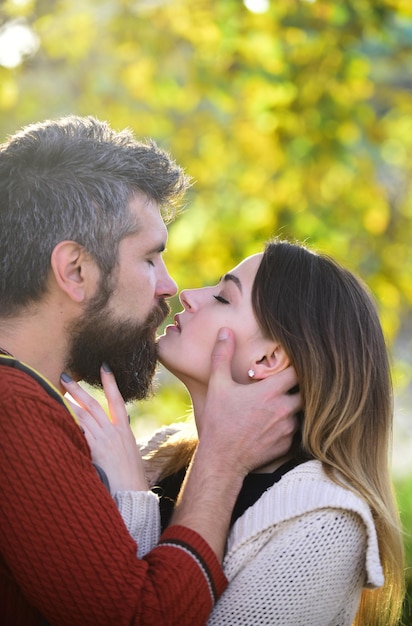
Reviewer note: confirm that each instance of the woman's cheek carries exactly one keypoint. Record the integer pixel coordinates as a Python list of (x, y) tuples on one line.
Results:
[(240, 368)]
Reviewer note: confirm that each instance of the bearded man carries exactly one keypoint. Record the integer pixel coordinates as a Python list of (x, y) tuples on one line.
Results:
[(83, 282)]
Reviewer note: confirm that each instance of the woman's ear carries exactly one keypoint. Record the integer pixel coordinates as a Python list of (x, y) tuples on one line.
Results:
[(274, 361), (70, 266)]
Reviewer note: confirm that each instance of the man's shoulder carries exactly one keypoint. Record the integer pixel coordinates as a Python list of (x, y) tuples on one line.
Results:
[(30, 401), (19, 379)]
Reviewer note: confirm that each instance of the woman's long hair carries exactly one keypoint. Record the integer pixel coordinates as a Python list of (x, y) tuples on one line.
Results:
[(327, 323)]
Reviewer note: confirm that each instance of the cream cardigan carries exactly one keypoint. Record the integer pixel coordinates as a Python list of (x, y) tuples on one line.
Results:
[(299, 556)]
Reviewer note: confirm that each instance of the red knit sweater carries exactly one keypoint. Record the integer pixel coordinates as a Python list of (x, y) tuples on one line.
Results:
[(66, 556)]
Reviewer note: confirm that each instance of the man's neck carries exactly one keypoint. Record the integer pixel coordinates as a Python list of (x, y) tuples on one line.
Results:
[(5, 352), (38, 341)]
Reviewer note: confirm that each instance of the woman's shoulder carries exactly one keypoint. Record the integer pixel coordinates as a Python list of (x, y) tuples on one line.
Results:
[(304, 489), (308, 470), (301, 492), (309, 487)]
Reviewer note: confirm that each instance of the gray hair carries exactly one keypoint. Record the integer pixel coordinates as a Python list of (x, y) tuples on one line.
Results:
[(72, 179)]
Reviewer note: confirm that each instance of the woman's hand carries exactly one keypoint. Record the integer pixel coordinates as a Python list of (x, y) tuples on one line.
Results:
[(111, 441)]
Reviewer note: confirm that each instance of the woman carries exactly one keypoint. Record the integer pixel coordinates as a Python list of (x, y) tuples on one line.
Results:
[(315, 537)]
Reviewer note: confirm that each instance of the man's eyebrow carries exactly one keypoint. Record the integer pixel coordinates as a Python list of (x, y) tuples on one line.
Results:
[(234, 279), (157, 249)]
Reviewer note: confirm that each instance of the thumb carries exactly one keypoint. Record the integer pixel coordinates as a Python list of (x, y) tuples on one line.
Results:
[(222, 354)]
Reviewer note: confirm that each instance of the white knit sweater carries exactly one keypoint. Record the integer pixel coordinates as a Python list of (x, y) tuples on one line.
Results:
[(141, 515), (299, 556)]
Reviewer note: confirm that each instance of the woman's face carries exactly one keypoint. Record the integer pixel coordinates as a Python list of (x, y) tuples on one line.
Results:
[(186, 347)]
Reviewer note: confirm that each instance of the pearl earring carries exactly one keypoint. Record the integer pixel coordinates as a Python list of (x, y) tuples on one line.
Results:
[(251, 373)]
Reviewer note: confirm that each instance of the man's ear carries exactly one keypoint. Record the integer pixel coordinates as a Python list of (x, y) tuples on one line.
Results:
[(274, 361), (71, 268)]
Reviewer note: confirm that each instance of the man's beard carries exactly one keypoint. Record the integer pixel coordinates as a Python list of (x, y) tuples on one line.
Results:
[(128, 347)]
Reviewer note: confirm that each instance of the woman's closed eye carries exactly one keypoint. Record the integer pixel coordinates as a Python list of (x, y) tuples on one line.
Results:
[(221, 299)]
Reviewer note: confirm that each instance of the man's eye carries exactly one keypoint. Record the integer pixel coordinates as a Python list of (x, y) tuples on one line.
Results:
[(151, 262), (221, 299)]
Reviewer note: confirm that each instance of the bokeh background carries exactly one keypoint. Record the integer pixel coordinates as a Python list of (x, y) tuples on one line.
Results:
[(294, 118)]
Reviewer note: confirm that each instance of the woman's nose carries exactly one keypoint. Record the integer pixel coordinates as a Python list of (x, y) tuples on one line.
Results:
[(185, 298), (190, 299)]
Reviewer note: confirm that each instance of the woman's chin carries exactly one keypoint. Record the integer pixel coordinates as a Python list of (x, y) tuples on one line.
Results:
[(161, 348), (163, 359)]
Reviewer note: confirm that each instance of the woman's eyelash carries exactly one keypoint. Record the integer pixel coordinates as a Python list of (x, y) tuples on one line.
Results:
[(221, 299)]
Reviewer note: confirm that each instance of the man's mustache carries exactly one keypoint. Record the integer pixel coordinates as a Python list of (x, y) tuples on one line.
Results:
[(158, 314)]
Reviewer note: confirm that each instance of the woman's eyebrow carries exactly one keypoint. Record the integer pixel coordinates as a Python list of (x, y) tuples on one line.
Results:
[(234, 279)]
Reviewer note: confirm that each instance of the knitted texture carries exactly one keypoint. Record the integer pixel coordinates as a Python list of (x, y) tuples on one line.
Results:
[(140, 513), (299, 556), (66, 556)]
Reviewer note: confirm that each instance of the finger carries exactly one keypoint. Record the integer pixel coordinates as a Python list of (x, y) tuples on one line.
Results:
[(117, 407), (76, 408), (222, 355), (281, 383), (87, 423), (286, 404), (85, 400), (291, 425), (295, 403)]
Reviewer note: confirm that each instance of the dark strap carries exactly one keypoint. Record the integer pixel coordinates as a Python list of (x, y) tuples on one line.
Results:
[(10, 361), (102, 475)]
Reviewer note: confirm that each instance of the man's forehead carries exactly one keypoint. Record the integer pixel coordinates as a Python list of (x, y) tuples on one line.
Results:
[(146, 218)]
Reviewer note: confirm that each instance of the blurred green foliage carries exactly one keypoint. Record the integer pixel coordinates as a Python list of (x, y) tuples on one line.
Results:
[(294, 121), (404, 496)]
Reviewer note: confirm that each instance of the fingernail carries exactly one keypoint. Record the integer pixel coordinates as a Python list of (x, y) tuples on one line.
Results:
[(106, 368), (66, 378), (223, 334)]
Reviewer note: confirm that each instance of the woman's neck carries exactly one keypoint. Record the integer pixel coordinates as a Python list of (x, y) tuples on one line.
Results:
[(198, 395)]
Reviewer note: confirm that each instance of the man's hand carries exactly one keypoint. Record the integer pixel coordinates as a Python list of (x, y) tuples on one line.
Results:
[(250, 424), (243, 428)]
